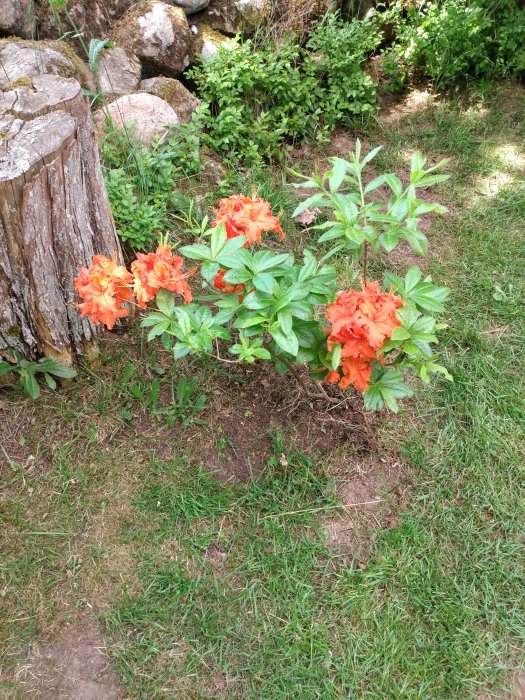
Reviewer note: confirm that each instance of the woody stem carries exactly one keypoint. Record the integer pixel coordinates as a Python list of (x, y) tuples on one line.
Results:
[(365, 260), (302, 384)]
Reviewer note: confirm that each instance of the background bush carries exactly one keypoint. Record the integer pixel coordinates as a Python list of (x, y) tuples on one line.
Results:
[(255, 98), (453, 41)]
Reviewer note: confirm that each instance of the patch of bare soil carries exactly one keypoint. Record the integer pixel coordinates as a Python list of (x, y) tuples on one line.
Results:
[(371, 490), (246, 418), (417, 100), (72, 666)]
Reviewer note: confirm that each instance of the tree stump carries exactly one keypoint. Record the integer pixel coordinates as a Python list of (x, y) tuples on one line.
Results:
[(54, 216)]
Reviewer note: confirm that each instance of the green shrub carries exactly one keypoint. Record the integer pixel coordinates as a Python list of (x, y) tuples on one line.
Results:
[(453, 41), (140, 181), (256, 98)]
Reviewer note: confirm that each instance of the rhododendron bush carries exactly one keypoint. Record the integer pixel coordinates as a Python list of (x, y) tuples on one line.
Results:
[(257, 302)]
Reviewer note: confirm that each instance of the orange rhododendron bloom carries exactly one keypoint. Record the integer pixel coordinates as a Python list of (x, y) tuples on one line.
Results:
[(226, 287), (361, 323), (246, 216), (104, 288), (159, 270)]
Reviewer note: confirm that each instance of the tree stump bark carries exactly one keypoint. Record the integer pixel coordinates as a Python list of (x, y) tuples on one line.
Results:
[(54, 216)]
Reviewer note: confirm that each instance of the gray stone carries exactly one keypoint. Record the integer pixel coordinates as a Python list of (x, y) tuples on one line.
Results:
[(234, 16), (16, 17), (119, 72), (158, 34), (174, 93), (146, 115), (206, 40), (190, 7), (21, 60)]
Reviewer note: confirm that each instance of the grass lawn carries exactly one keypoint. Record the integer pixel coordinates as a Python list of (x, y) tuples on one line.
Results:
[(205, 587)]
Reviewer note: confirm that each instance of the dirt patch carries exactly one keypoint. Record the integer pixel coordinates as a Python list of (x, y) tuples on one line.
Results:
[(417, 100), (72, 666), (371, 493), (246, 420)]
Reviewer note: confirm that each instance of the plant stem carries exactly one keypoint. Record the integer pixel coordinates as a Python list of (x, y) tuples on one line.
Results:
[(302, 383), (365, 260)]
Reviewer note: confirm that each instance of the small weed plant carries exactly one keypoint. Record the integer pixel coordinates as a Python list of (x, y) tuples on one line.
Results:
[(256, 98), (26, 374), (140, 180), (261, 304)]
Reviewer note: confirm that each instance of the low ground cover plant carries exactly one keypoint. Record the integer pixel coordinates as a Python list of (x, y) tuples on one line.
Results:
[(271, 307)]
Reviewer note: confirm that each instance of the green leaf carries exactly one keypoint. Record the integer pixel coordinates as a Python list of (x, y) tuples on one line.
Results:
[(218, 240), (412, 277), (372, 154), (233, 244), (209, 270), (246, 321), (287, 342), (400, 333), (386, 387), (417, 163), (262, 354), (375, 183), (431, 180), (394, 183), (417, 240), (237, 259), (338, 174), (427, 207), (428, 296), (389, 240), (336, 356), (336, 231), (30, 384), (264, 282), (237, 276), (286, 321), (165, 302), (50, 381), (197, 251), (265, 260), (311, 201)]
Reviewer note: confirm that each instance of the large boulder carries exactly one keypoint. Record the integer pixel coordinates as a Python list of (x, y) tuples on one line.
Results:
[(158, 34), (234, 16), (174, 93), (280, 16), (145, 115), (21, 60), (119, 73), (94, 18), (16, 17), (190, 7), (206, 41)]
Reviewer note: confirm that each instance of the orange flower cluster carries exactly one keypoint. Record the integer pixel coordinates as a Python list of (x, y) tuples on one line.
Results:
[(247, 216), (227, 288), (105, 286), (159, 270), (361, 322)]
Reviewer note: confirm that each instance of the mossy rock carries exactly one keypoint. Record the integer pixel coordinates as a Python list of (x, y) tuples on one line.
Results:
[(174, 93), (22, 60)]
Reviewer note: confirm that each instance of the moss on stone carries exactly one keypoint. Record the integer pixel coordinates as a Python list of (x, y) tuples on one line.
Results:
[(23, 81)]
